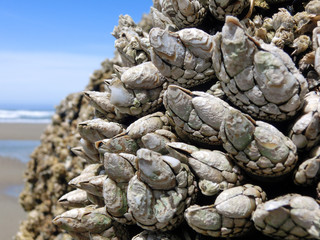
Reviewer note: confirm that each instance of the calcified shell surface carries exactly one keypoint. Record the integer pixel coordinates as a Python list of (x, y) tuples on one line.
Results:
[(205, 126)]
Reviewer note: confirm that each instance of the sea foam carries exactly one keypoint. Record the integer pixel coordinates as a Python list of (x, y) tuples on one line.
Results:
[(25, 116)]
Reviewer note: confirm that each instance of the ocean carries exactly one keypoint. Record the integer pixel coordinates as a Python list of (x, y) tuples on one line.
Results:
[(18, 149), (21, 149), (25, 116)]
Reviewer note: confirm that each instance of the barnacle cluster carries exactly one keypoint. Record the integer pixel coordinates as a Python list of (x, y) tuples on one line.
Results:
[(208, 128), (52, 164)]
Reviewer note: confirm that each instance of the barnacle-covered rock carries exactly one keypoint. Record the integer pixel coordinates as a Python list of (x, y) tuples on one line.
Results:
[(75, 199), (230, 215), (308, 171), (275, 1), (312, 59), (214, 169), (103, 107), (301, 44), (305, 132), (168, 186), (160, 191), (161, 21), (183, 13), (85, 223), (132, 181), (316, 48), (286, 30), (313, 7), (283, 23), (97, 129), (216, 90), (151, 131), (89, 150), (89, 171), (221, 8), (131, 42), (137, 90), (196, 116), (52, 165), (148, 235), (183, 57), (157, 140), (262, 28), (148, 124), (291, 216), (258, 147), (120, 168), (115, 200), (134, 91), (92, 131), (86, 151), (306, 21), (265, 83), (91, 180), (118, 144)]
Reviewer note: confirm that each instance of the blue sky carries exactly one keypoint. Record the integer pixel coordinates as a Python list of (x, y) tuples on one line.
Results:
[(48, 49)]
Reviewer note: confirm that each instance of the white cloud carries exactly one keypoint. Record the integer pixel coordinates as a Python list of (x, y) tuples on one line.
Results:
[(43, 77)]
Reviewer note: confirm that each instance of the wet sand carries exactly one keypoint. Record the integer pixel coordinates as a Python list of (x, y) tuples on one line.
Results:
[(11, 177), (21, 131)]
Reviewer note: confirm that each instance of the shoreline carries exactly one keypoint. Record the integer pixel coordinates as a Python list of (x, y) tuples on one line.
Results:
[(11, 176), (21, 131)]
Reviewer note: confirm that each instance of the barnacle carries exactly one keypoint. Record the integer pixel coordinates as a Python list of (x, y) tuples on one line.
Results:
[(169, 132)]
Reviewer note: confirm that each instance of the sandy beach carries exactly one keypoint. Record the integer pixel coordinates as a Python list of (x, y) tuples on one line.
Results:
[(21, 131), (11, 177)]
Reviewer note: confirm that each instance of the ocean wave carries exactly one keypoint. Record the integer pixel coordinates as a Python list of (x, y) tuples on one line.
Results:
[(25, 116)]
